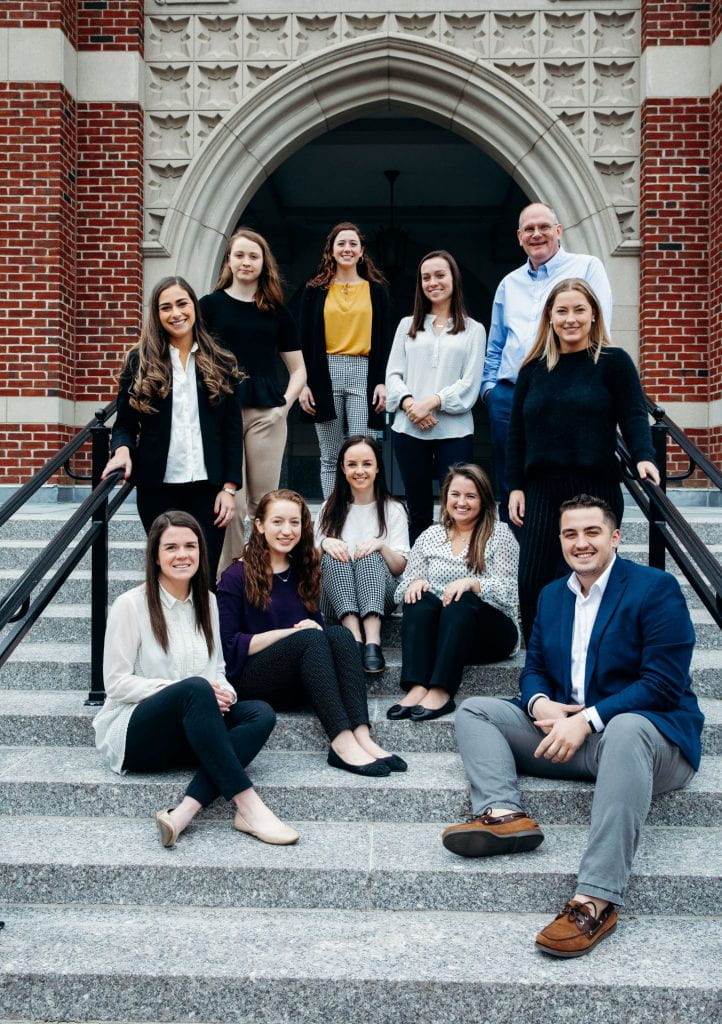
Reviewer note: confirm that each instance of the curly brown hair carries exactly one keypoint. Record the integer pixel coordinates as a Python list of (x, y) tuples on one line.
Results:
[(269, 293), (151, 381), (304, 557), (327, 267)]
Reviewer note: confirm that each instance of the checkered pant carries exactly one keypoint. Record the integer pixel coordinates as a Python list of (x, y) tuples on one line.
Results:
[(360, 587), (348, 381)]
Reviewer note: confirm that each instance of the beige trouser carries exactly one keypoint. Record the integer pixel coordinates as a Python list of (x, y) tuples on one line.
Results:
[(264, 440)]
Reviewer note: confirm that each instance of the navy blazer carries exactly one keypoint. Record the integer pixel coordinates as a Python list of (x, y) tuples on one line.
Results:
[(638, 658), (313, 342), (147, 435)]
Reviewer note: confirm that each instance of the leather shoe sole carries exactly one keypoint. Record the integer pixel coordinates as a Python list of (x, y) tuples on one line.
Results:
[(421, 714), (476, 840)]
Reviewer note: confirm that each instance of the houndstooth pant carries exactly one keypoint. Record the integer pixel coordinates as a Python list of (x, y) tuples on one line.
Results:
[(362, 587), (348, 381)]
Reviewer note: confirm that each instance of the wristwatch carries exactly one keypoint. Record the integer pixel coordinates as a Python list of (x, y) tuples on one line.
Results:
[(588, 718), (230, 490)]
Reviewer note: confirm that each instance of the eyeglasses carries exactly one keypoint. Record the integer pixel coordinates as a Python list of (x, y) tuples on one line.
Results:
[(543, 229)]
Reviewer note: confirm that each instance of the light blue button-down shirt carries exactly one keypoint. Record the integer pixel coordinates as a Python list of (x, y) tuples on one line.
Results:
[(518, 305)]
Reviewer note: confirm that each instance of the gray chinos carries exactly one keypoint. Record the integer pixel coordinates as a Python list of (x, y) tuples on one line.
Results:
[(630, 760)]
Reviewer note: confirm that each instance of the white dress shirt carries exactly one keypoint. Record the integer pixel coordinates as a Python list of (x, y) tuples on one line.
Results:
[(135, 666), (185, 451), (586, 610), (518, 306)]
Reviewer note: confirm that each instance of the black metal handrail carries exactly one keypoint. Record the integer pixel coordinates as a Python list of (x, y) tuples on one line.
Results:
[(668, 529), (18, 605)]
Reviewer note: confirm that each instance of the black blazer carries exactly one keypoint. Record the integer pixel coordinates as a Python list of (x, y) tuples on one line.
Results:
[(313, 343), (147, 435)]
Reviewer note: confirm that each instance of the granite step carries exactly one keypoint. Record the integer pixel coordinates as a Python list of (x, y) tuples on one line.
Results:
[(280, 966), (299, 785), (128, 555), (348, 865), (60, 718), (70, 623), (66, 666)]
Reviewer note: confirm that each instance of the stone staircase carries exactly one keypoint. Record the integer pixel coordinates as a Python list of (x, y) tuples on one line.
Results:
[(368, 918)]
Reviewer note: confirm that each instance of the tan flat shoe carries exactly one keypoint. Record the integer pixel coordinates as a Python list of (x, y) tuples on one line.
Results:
[(167, 832), (282, 835)]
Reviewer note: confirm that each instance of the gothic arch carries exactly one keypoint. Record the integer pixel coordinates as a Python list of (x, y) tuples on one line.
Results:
[(419, 78)]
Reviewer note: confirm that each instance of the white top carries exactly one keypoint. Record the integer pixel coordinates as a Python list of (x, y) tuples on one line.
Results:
[(185, 450), (362, 524), (135, 666), (447, 365), (586, 610), (519, 303), (431, 559)]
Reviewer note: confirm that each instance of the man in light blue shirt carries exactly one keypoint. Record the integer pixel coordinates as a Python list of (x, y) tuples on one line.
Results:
[(518, 305)]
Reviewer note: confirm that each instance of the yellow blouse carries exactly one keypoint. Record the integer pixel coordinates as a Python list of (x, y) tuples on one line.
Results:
[(347, 319)]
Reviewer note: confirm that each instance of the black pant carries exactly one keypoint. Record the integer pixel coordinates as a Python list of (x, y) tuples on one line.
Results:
[(421, 462), (182, 726), (540, 553), (198, 499), (437, 642), (320, 666)]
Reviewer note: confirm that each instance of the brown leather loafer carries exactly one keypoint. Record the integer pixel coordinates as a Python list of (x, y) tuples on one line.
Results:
[(487, 836), (576, 930)]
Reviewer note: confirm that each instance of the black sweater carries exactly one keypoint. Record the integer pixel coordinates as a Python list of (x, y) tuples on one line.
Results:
[(566, 419)]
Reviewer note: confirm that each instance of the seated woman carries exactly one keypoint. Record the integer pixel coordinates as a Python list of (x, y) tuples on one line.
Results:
[(273, 637), (364, 536), (169, 705), (459, 596)]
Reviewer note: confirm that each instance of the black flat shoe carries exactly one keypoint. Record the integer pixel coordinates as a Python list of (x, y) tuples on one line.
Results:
[(373, 658), (398, 711), (395, 763), (421, 714), (375, 769)]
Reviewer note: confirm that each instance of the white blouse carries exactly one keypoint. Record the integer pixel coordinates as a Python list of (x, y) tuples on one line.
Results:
[(431, 559), (447, 365), (135, 666), (362, 524), (186, 461)]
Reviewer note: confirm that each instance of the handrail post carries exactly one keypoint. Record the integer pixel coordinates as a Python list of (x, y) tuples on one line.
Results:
[(657, 549), (100, 439)]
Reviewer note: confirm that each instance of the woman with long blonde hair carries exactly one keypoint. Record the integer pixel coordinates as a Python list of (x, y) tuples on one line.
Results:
[(246, 314), (178, 428), (573, 390)]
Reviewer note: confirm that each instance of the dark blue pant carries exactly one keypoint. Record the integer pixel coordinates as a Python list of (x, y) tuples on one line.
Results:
[(498, 402), (421, 462), (182, 725)]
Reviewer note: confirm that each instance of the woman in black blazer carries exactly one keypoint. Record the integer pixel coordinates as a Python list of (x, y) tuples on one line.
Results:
[(344, 323), (179, 429)]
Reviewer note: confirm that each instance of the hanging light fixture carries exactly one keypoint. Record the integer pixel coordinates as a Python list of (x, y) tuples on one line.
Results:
[(391, 241)]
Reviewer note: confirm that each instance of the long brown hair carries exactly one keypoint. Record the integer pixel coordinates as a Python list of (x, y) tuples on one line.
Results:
[(327, 267), (152, 379), (335, 510), (546, 343), (303, 557), (200, 582), (422, 305), (475, 557), (269, 292)]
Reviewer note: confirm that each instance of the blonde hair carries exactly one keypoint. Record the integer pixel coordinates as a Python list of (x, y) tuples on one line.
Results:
[(546, 344)]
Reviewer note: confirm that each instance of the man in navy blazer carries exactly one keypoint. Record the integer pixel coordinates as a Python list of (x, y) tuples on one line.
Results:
[(605, 694)]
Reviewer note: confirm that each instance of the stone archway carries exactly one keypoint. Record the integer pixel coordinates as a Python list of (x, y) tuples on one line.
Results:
[(423, 79)]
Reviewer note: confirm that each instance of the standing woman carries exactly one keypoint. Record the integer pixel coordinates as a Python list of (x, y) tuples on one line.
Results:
[(275, 644), (572, 392), (459, 597), (364, 535), (169, 705), (345, 334), (246, 315), (432, 382), (178, 427)]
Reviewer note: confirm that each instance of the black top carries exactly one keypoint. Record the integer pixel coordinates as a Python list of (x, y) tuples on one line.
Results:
[(147, 435), (255, 339), (566, 419), (313, 340)]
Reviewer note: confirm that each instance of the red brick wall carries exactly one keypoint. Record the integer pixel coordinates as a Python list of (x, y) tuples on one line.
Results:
[(24, 449), (676, 22), (110, 25), (715, 256), (41, 14)]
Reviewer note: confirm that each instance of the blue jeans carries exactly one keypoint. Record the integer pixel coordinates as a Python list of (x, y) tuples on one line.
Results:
[(421, 462)]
